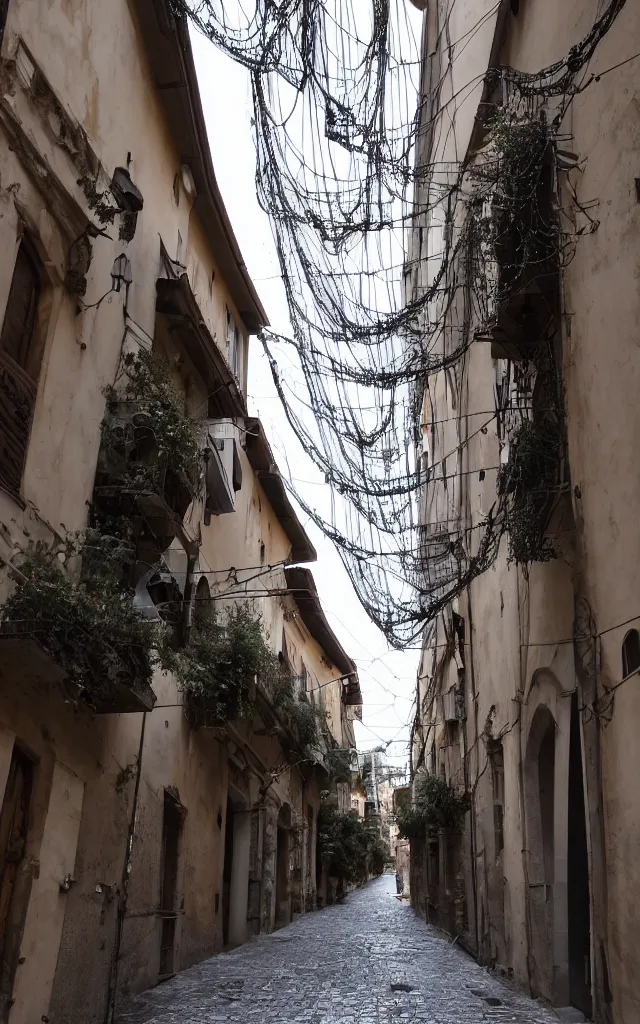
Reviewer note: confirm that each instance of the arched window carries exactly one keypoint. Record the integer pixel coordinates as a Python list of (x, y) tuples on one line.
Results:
[(630, 652)]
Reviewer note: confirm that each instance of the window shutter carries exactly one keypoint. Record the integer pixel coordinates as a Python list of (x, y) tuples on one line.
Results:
[(17, 399), (19, 368)]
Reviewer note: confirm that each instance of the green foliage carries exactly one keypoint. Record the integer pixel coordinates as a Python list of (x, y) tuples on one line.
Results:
[(217, 668), (436, 805), (338, 762), (146, 433), (352, 846), (303, 717), (87, 624), (523, 228), (528, 479)]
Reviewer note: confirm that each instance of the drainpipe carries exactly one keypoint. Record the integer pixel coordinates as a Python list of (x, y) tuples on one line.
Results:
[(123, 895)]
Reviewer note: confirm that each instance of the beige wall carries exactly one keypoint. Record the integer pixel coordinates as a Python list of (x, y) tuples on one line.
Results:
[(84, 814), (519, 630)]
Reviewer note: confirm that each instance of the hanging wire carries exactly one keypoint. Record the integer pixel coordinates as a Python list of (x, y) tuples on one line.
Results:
[(393, 264)]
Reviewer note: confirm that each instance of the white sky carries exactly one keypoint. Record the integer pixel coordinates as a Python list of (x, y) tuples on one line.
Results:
[(387, 677)]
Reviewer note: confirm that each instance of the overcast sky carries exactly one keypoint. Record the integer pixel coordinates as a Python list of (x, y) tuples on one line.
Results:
[(387, 677)]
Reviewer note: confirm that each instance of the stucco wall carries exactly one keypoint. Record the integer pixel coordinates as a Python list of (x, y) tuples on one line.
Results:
[(517, 627)]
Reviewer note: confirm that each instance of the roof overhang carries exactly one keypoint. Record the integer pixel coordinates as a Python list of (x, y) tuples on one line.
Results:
[(268, 476), (166, 39), (177, 303), (305, 595)]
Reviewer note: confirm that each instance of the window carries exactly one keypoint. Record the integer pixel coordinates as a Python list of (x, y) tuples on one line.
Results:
[(303, 679), (20, 361), (630, 652), (234, 347), (496, 757)]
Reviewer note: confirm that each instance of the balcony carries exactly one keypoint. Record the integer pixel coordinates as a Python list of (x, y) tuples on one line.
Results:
[(29, 650), (137, 477), (71, 625), (519, 325), (523, 244)]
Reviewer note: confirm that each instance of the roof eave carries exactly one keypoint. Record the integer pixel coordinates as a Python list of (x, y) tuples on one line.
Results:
[(301, 582), (166, 38)]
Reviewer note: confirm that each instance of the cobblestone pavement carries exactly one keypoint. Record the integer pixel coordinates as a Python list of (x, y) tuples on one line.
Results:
[(370, 960)]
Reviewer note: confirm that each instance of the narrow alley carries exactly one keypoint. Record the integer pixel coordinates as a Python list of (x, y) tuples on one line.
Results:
[(370, 960)]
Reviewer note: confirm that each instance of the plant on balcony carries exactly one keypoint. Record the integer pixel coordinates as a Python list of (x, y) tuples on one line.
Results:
[(527, 481), (84, 619), (436, 805), (217, 669), (148, 442)]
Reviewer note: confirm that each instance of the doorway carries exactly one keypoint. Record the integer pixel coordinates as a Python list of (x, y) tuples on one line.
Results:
[(540, 797), (235, 871), (14, 825), (226, 872), (283, 872), (171, 829), (578, 902), (546, 797)]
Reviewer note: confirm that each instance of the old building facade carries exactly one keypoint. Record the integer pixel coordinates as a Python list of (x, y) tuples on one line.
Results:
[(139, 831), (528, 685)]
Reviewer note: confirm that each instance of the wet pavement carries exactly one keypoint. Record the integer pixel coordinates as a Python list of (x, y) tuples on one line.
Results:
[(370, 960)]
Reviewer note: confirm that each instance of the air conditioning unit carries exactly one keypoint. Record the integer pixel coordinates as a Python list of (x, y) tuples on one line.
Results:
[(224, 471)]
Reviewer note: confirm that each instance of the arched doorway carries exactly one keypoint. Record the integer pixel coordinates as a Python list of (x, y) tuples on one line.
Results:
[(540, 795), (578, 901), (283, 868)]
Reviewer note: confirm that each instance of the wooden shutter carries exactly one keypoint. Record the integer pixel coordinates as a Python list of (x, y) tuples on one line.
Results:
[(19, 368)]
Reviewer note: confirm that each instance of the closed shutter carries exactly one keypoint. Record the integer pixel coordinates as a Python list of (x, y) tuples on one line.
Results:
[(17, 399), (19, 368)]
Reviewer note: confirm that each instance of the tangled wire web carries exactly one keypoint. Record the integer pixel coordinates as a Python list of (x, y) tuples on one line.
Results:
[(344, 174)]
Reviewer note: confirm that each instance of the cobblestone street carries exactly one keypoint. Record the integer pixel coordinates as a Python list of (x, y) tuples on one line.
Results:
[(370, 960)]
